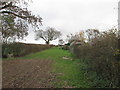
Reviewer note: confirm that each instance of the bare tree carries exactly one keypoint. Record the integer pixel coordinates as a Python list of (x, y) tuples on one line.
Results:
[(48, 35)]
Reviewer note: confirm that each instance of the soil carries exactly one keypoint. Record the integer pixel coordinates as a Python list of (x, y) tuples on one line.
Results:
[(27, 74)]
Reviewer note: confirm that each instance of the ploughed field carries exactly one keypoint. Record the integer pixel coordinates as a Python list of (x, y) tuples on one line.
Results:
[(31, 73)]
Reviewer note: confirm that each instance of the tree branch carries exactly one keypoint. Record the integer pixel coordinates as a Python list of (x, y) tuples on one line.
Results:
[(8, 5), (8, 12), (43, 38)]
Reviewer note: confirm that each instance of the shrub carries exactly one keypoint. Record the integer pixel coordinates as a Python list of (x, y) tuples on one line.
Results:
[(100, 54), (21, 49)]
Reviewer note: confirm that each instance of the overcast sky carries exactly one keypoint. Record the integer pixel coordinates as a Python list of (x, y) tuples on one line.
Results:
[(71, 16)]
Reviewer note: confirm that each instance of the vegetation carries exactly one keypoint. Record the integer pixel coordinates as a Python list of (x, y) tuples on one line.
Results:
[(15, 20), (80, 36), (70, 71), (48, 35), (22, 49), (61, 42), (11, 30), (87, 72), (99, 52), (13, 8)]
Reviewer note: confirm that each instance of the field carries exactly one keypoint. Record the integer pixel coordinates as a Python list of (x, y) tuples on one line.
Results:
[(26, 73), (50, 68)]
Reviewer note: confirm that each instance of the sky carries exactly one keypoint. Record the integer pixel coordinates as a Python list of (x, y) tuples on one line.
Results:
[(72, 16)]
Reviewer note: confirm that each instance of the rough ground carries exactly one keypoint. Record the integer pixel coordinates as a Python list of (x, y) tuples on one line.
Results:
[(27, 74)]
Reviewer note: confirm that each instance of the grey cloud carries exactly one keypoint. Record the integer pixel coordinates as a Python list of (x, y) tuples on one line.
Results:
[(71, 16)]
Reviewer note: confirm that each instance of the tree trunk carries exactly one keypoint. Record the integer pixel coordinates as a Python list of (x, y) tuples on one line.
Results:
[(47, 42)]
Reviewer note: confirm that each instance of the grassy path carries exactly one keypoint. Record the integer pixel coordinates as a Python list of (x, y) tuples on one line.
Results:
[(68, 70)]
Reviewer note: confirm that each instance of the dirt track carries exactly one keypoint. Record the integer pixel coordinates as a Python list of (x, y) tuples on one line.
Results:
[(27, 74)]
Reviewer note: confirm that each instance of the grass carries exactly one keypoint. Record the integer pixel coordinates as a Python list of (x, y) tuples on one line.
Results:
[(70, 72)]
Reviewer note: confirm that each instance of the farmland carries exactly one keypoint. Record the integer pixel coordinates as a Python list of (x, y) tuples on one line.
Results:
[(56, 44), (50, 68)]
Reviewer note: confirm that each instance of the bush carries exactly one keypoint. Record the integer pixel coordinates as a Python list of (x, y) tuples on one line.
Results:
[(100, 54), (21, 49)]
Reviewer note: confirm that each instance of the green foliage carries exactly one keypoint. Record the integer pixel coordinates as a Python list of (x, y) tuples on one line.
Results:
[(99, 54), (15, 20), (21, 49), (69, 72), (13, 48), (12, 29), (15, 10)]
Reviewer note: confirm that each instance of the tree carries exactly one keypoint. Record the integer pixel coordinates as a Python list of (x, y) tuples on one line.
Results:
[(12, 30), (15, 19), (48, 35), (14, 9), (92, 33), (76, 37), (61, 42)]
